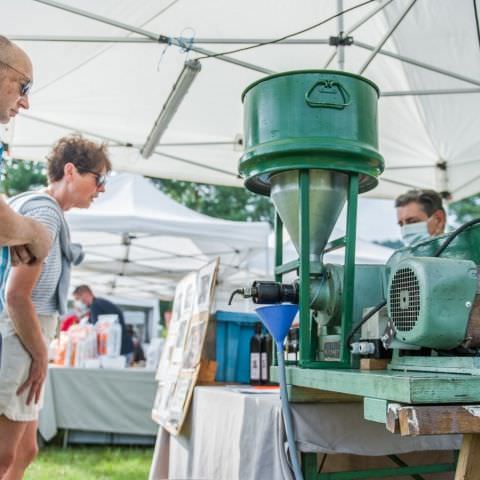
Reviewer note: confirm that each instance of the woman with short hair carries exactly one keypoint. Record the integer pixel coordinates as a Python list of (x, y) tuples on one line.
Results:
[(36, 294)]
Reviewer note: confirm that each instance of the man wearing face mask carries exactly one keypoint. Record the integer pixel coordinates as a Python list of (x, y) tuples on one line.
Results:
[(421, 215), (85, 300)]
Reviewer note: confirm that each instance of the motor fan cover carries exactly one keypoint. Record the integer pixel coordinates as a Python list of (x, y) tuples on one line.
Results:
[(430, 299)]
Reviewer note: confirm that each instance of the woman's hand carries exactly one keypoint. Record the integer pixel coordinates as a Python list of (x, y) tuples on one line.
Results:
[(36, 377)]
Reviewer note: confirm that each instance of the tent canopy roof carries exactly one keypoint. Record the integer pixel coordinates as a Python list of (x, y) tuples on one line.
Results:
[(116, 90)]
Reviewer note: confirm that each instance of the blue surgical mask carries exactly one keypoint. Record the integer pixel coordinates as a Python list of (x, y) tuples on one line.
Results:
[(414, 233), (80, 307)]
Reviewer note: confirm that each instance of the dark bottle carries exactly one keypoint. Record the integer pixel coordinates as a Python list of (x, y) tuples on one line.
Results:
[(287, 345), (255, 355), (266, 358), (295, 344)]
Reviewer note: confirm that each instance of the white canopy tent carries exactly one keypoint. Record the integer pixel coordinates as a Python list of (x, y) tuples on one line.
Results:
[(109, 75), (139, 242)]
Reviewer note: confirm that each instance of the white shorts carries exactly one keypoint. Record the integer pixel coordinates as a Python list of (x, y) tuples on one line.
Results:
[(14, 370)]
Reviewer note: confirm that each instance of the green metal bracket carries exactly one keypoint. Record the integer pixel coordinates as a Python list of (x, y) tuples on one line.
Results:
[(335, 244), (349, 271), (375, 409), (306, 353), (278, 246), (287, 267), (309, 465)]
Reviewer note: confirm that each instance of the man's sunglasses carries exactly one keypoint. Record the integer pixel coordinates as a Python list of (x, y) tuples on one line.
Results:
[(100, 179), (24, 86)]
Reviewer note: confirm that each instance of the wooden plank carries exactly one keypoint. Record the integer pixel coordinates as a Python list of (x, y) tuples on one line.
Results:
[(393, 424), (374, 363), (375, 409), (439, 419), (468, 466), (401, 387), (311, 395)]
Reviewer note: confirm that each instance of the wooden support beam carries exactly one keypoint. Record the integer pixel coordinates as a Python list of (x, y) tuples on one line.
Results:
[(393, 424), (312, 395), (468, 466), (374, 363), (438, 419)]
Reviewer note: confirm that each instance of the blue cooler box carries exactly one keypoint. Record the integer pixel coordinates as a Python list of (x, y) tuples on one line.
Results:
[(234, 331)]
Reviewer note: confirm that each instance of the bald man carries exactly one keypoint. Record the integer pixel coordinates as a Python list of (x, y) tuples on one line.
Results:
[(29, 239)]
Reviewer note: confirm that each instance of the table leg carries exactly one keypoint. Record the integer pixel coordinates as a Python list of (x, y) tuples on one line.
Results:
[(65, 438), (468, 466)]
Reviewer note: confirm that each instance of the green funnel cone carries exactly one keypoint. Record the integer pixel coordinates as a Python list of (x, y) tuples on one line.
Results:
[(278, 319)]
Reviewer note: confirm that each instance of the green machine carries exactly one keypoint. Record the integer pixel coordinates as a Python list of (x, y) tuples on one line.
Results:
[(311, 144)]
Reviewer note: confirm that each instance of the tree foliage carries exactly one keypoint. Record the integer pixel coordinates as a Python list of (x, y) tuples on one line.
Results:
[(19, 176), (466, 209), (230, 203)]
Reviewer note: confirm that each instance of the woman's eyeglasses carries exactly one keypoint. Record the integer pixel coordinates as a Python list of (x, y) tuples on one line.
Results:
[(100, 179), (26, 86)]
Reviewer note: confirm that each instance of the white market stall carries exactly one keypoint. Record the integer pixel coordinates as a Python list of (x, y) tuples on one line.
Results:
[(139, 242)]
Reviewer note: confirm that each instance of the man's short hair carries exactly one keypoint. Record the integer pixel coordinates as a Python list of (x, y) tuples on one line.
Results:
[(82, 289), (84, 154), (5, 52), (429, 200)]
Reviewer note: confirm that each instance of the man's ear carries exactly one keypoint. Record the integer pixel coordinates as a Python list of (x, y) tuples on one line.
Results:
[(441, 218)]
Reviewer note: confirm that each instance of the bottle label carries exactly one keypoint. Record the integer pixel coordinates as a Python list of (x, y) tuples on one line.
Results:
[(264, 366), (255, 366)]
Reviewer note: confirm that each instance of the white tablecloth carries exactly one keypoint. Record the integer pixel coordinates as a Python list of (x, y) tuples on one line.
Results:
[(98, 400), (232, 435)]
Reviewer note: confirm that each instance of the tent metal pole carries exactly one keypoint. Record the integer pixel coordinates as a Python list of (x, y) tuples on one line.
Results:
[(153, 36), (184, 40), (411, 167), (417, 63), (191, 162), (386, 37), (446, 91), (368, 17), (330, 59), (402, 184), (138, 145), (463, 185), (127, 144), (340, 48), (467, 162), (357, 25), (74, 129)]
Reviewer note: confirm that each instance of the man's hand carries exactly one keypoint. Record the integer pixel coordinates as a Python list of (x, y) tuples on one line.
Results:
[(36, 377), (40, 244), (21, 254), (35, 251)]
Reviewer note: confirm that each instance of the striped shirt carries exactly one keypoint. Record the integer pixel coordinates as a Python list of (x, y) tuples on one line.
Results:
[(44, 295)]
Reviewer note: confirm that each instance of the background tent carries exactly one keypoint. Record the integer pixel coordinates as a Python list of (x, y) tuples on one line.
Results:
[(139, 242), (112, 79)]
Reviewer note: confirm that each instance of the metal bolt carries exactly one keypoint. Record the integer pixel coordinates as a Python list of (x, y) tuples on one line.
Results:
[(468, 304)]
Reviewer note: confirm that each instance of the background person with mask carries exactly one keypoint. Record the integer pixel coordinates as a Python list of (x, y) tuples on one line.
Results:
[(84, 299), (420, 214)]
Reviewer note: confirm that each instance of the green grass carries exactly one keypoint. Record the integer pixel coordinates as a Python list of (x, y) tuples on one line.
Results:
[(91, 463)]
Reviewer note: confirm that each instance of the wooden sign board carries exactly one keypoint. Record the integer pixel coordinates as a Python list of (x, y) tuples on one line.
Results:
[(182, 354)]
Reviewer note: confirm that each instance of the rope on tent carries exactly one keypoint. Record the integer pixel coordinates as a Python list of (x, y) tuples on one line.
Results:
[(290, 35)]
